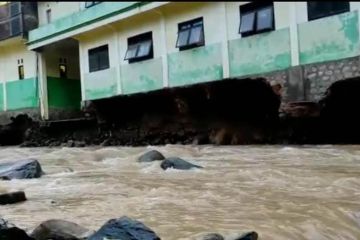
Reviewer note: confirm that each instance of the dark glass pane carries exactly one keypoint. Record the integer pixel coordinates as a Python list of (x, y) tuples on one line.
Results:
[(185, 26), (198, 23), (144, 49), (63, 71), (131, 51), (323, 9), (14, 8), (93, 63), (48, 15), (103, 59), (183, 37), (15, 26), (196, 35), (265, 19), (247, 22), (98, 58), (21, 72)]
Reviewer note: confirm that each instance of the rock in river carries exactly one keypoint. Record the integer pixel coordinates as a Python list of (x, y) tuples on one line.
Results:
[(212, 236), (177, 163), (13, 197), (124, 228), (248, 236), (57, 229), (29, 168), (11, 232), (150, 156)]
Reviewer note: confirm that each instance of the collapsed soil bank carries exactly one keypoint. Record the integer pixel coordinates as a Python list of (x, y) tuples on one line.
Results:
[(234, 112)]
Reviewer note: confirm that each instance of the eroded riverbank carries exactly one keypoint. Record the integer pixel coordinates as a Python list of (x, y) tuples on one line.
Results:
[(308, 192)]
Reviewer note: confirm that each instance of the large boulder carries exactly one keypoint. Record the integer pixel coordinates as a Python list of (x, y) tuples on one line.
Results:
[(177, 163), (212, 236), (11, 232), (248, 236), (124, 228), (14, 132), (23, 169), (13, 197), (56, 229), (151, 156)]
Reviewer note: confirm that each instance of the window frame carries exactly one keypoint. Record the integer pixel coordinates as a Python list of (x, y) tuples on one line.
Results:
[(256, 7), (21, 74), (312, 16), (189, 26), (65, 72), (48, 15), (96, 52), (137, 42)]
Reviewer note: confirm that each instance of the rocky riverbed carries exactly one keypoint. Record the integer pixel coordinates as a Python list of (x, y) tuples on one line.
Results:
[(281, 192)]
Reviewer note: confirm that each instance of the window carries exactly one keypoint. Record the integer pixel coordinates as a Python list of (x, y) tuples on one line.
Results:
[(190, 34), (256, 17), (62, 68), (48, 15), (140, 48), (98, 58), (21, 71), (90, 4), (324, 9)]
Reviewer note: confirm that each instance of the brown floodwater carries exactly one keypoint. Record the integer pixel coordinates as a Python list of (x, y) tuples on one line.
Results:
[(282, 192)]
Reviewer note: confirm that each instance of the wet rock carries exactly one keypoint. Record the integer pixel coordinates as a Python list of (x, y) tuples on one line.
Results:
[(248, 236), (212, 236), (57, 229), (9, 231), (13, 197), (79, 144), (23, 169), (70, 143), (106, 142), (177, 163), (150, 156), (124, 228), (29, 144), (201, 139), (14, 132)]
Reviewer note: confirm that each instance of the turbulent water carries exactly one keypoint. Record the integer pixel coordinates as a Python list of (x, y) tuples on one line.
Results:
[(308, 192)]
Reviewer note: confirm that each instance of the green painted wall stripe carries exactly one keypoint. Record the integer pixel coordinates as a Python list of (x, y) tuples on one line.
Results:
[(142, 76), (80, 19), (100, 84), (260, 53), (196, 65), (22, 94), (329, 38), (64, 93)]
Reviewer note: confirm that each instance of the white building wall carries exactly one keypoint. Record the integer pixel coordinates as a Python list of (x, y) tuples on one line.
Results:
[(72, 62), (301, 12), (58, 10), (215, 26), (9, 56), (97, 38), (147, 22), (176, 13)]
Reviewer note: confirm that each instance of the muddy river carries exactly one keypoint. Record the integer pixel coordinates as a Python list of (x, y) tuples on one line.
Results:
[(282, 192)]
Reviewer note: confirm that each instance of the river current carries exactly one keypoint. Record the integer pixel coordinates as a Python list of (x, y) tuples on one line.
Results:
[(281, 192)]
